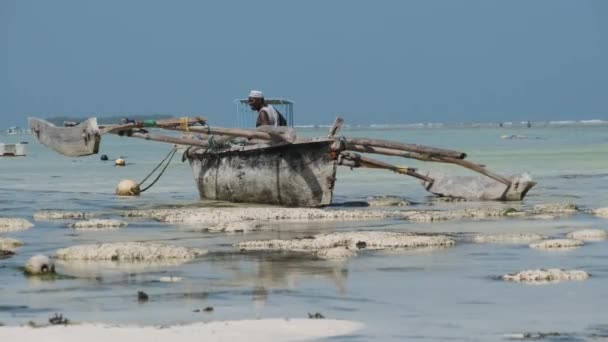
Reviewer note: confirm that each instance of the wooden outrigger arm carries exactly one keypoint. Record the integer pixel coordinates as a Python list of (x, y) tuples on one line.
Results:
[(424, 157), (356, 160), (84, 139)]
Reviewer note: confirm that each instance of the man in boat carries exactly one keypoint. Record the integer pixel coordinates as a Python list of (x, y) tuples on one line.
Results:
[(267, 114)]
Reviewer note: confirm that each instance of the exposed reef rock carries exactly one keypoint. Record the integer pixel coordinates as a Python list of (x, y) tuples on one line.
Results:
[(214, 216), (601, 212), (98, 224), (9, 224), (48, 215), (387, 201), (336, 253), (235, 226), (508, 238), (352, 240), (588, 235), (128, 251), (8, 244), (448, 199), (557, 244), (448, 215), (38, 265), (544, 217), (556, 208), (546, 276), (246, 219)]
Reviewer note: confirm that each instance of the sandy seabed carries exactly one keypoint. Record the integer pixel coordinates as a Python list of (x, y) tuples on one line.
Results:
[(243, 330)]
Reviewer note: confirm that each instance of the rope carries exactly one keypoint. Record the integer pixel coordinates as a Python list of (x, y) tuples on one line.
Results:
[(170, 157), (208, 128)]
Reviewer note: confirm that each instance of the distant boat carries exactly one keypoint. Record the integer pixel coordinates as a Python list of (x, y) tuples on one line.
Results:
[(12, 150), (12, 130)]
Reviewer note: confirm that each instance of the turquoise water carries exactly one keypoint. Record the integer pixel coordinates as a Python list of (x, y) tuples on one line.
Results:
[(415, 295)]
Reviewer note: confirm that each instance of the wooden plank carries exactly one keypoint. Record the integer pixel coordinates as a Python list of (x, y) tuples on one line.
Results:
[(383, 151), (421, 149), (474, 167), (335, 127), (361, 161), (80, 140), (183, 123), (168, 139), (398, 153), (269, 133)]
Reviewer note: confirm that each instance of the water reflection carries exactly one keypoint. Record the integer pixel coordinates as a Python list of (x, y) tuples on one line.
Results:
[(266, 273)]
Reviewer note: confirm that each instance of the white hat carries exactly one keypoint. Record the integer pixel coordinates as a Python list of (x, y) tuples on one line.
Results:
[(256, 94)]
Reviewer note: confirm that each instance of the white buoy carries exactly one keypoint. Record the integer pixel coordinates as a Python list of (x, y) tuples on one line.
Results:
[(39, 264), (127, 187), (119, 162)]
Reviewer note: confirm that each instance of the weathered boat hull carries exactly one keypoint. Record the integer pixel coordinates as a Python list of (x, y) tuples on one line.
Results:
[(80, 140), (476, 188), (301, 174)]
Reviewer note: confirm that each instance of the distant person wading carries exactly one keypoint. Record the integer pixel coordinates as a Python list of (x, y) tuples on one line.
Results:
[(267, 114)]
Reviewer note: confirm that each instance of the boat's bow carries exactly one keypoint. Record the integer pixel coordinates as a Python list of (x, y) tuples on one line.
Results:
[(80, 140)]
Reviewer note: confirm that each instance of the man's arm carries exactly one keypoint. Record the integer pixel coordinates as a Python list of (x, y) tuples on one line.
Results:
[(263, 119)]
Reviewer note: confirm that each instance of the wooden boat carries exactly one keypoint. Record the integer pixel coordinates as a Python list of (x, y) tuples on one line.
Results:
[(272, 165), (300, 174)]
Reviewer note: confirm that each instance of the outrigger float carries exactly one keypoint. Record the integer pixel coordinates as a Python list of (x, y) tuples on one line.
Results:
[(272, 165)]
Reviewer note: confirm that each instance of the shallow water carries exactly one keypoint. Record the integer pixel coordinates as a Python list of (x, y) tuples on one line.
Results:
[(425, 294)]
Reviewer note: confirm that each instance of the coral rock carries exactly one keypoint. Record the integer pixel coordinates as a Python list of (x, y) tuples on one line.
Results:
[(98, 224), (8, 224), (9, 244), (588, 234), (127, 251), (601, 212), (387, 201), (555, 208), (350, 240), (47, 215), (514, 238), (544, 276), (557, 243), (336, 253), (39, 264)]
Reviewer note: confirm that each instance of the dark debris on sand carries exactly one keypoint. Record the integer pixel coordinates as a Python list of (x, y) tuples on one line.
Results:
[(142, 296), (58, 319), (316, 315)]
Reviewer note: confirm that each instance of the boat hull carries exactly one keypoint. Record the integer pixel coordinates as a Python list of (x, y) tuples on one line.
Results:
[(298, 175), (80, 140)]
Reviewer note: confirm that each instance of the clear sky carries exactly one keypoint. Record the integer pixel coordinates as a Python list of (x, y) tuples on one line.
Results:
[(368, 61)]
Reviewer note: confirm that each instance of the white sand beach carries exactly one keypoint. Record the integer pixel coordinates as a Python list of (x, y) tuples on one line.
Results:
[(245, 330)]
